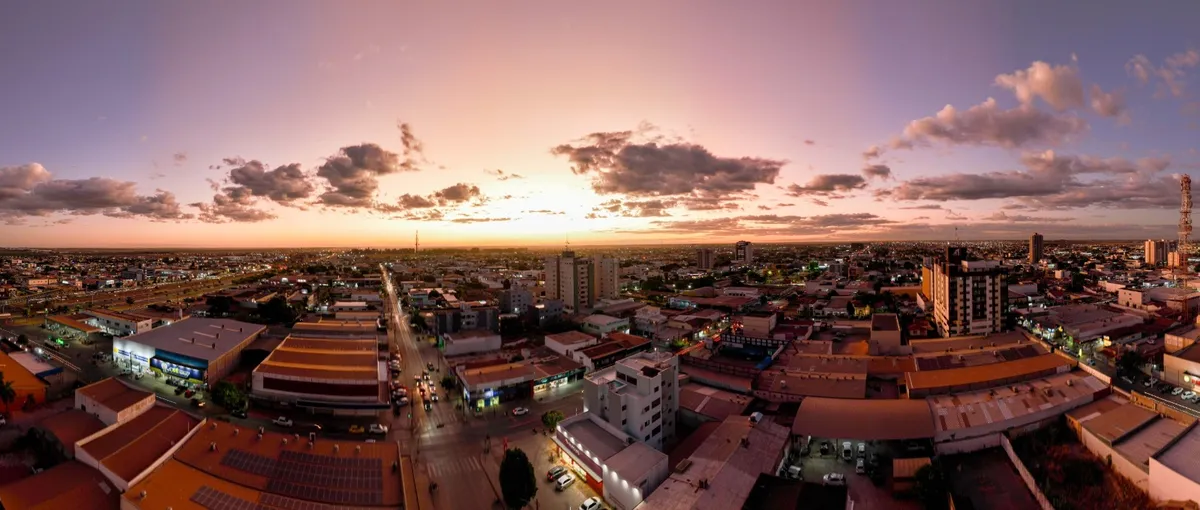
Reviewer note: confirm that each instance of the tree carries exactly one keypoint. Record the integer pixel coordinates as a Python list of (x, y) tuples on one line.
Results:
[(8, 394), (877, 286), (228, 395), (129, 300), (219, 305), (277, 310), (1129, 362), (518, 484), (551, 418), (930, 485)]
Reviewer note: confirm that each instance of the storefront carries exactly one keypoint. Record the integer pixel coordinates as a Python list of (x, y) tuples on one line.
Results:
[(559, 379)]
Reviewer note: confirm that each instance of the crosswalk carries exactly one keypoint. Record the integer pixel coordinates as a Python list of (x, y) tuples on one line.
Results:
[(453, 465)]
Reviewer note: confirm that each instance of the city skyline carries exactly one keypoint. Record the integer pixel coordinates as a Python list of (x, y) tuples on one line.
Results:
[(302, 124)]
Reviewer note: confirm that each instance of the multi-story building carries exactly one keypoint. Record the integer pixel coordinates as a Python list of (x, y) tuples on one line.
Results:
[(704, 258), (579, 282), (466, 317), (743, 253), (117, 323), (639, 395), (1035, 248), (515, 300), (1156, 251), (968, 295)]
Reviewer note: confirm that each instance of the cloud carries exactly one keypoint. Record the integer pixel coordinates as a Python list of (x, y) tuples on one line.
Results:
[(986, 124), (232, 205), (817, 201), (923, 207), (353, 174), (545, 212), (766, 225), (882, 172), (179, 158), (1059, 86), (637, 208), (1054, 181), (458, 193), (809, 142), (625, 162), (31, 190), (501, 175), (282, 184), (1170, 77), (788, 204), (1001, 216), (872, 152), (764, 208), (828, 185), (408, 201), (481, 219), (450, 196), (1109, 104)]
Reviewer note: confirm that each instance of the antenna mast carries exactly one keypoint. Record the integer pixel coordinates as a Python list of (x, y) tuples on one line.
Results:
[(1185, 229), (417, 242)]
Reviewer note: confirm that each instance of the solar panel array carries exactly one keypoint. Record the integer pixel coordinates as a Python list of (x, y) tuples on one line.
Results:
[(338, 480)]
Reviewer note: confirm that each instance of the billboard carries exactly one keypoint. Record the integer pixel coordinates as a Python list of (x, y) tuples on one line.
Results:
[(177, 370)]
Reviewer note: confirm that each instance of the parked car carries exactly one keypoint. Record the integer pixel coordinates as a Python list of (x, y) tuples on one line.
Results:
[(1177, 390), (862, 450), (282, 421), (847, 452), (860, 467), (520, 411), (592, 503), (1188, 395), (555, 472), (239, 413), (376, 428), (834, 479), (564, 481)]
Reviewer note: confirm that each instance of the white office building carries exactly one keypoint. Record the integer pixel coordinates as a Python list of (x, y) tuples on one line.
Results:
[(639, 395), (604, 278), (570, 279)]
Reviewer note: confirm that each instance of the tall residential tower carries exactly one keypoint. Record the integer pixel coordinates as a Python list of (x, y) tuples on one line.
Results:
[(743, 253), (1035, 248), (969, 296)]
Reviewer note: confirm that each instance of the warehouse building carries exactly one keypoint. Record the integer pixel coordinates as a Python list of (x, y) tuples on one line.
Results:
[(330, 375), (199, 350)]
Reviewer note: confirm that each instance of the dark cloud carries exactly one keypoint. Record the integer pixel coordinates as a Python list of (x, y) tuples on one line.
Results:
[(232, 205), (817, 201), (1001, 216), (545, 212), (450, 196), (283, 184), (637, 208), (830, 185), (457, 193), (786, 205), (923, 207), (31, 190), (414, 148), (408, 201), (353, 174), (986, 124), (809, 142), (764, 208), (767, 225), (621, 162), (482, 219), (872, 152), (1055, 181), (882, 172), (501, 175)]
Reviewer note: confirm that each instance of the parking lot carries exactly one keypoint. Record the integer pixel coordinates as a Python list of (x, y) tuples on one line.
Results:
[(1166, 392), (871, 489)]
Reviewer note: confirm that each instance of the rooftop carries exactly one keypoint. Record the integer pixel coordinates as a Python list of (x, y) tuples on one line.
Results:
[(113, 394), (468, 334), (243, 466), (711, 402), (67, 486), (1190, 353), (1115, 424), (112, 314), (1181, 456), (985, 374), (943, 345), (1139, 446), (600, 320), (71, 425), (834, 417), (76, 322), (497, 374), (885, 322), (22, 378), (594, 438), (322, 359), (200, 338), (130, 448), (570, 338), (730, 460), (634, 462), (986, 407)]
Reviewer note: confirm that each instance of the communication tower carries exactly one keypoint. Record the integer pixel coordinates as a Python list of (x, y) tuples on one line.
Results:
[(1184, 248)]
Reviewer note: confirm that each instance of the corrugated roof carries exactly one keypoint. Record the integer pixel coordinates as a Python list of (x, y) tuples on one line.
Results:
[(200, 338), (113, 394), (67, 486), (981, 374), (131, 447), (71, 425), (861, 419)]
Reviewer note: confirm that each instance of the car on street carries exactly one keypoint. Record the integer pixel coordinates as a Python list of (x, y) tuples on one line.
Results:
[(377, 428), (834, 479), (592, 503), (1188, 395), (555, 472), (357, 429), (239, 413), (862, 450), (520, 411), (860, 467), (197, 402), (433, 397), (564, 481), (429, 366), (1127, 379), (402, 402), (1177, 390), (428, 406), (282, 421), (847, 452)]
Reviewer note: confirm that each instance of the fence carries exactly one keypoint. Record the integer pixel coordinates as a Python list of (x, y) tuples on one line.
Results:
[(1028, 478)]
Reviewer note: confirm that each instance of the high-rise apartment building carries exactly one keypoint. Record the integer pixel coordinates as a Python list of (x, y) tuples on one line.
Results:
[(1035, 248), (579, 281), (743, 253), (704, 258), (639, 395), (969, 296), (1156, 251)]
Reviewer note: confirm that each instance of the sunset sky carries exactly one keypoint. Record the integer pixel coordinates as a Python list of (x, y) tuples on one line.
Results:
[(296, 123)]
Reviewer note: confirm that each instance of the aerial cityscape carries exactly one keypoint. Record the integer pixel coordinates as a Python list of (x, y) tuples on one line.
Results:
[(636, 256)]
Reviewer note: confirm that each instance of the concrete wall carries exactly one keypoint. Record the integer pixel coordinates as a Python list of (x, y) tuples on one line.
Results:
[(1120, 464), (1166, 483), (1025, 475), (973, 444)]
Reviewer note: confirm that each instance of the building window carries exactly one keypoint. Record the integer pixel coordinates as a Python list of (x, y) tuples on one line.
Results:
[(656, 402), (623, 422), (656, 417), (656, 431)]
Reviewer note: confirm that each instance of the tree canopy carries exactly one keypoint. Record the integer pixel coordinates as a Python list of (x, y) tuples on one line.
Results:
[(518, 484)]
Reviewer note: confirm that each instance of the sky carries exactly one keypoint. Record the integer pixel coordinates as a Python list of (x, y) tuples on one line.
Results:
[(298, 123)]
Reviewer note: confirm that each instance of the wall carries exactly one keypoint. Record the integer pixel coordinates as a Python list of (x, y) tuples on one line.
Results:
[(968, 445), (1120, 464), (1174, 369), (1025, 475), (472, 345), (1166, 484)]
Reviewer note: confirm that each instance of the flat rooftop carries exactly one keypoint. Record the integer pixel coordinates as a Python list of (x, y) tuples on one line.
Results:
[(985, 407), (984, 374), (597, 440), (828, 364), (469, 334), (198, 337), (712, 402), (484, 376), (1190, 353), (1181, 456), (1117, 423), (570, 338), (71, 485), (1074, 315), (885, 322), (71, 425), (344, 473), (130, 448), (635, 461), (113, 394), (1143, 444), (809, 384), (946, 345), (972, 358), (835, 417), (730, 467), (112, 314), (76, 322), (323, 359)]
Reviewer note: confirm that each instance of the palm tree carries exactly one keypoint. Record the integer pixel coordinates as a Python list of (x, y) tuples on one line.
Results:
[(7, 393)]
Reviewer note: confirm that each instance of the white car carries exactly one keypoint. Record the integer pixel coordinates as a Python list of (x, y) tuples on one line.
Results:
[(1188, 395), (592, 503), (834, 479), (520, 411), (282, 421), (376, 428), (564, 481), (1177, 390), (861, 466)]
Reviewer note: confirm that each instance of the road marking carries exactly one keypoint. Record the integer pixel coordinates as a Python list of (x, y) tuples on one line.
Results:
[(454, 466)]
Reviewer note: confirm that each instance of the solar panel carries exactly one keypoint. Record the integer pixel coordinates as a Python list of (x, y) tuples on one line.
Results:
[(312, 477), (213, 499)]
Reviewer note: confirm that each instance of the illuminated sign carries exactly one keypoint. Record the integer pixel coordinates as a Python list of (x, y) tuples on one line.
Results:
[(177, 370)]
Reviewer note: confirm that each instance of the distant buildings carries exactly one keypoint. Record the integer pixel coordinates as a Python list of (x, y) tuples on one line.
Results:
[(1035, 248), (579, 282), (1156, 251), (968, 296), (704, 258), (743, 253)]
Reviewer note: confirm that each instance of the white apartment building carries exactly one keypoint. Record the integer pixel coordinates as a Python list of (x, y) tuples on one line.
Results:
[(743, 253), (968, 296), (515, 299), (119, 324), (639, 395), (579, 282)]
